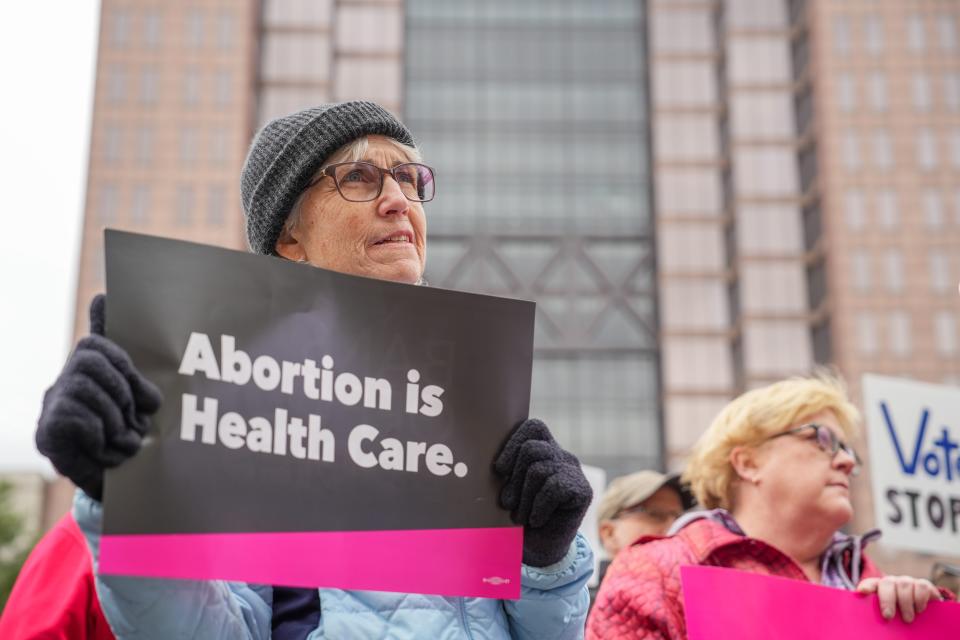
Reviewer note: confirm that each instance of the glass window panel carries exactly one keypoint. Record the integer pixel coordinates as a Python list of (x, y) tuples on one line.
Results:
[(866, 333), (882, 150), (185, 205), (873, 35), (846, 92), (765, 172), (108, 204), (193, 28), (921, 92), (947, 30), (762, 115), (759, 60), (916, 38), (682, 31), (951, 90), (116, 84), (945, 332), (756, 14), (877, 84), (933, 210), (899, 327), (851, 151), (854, 210), (140, 205), (149, 85), (888, 213), (940, 281), (893, 270), (151, 28), (860, 265), (841, 35), (926, 149)]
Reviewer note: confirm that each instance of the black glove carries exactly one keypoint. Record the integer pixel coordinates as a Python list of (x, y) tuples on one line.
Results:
[(95, 414), (545, 491)]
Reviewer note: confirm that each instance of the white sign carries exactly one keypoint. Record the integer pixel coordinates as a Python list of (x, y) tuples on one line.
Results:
[(597, 478), (914, 436)]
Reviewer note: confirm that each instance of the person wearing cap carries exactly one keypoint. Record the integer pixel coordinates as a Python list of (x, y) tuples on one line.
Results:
[(640, 504), (341, 187), (773, 471)]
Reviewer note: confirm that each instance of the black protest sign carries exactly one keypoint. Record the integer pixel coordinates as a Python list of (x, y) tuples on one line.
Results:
[(303, 400)]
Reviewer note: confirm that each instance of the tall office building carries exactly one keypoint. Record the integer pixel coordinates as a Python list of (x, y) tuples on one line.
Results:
[(702, 196)]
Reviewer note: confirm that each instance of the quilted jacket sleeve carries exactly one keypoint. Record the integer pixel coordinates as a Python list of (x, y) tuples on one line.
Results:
[(638, 599), (144, 608), (554, 600)]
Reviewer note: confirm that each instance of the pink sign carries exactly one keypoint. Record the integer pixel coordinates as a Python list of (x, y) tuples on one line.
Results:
[(724, 603)]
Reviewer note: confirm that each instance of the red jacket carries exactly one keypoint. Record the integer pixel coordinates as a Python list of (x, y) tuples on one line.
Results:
[(641, 596), (54, 596)]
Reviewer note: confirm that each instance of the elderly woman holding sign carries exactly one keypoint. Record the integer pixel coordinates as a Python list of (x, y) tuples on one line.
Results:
[(340, 187), (774, 469)]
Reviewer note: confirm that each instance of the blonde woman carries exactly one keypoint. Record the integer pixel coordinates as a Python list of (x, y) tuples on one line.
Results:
[(773, 472)]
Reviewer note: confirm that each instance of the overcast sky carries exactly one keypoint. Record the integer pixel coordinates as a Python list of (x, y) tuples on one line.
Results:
[(47, 62)]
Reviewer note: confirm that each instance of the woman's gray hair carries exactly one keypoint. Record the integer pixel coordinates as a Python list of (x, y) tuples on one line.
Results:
[(350, 152)]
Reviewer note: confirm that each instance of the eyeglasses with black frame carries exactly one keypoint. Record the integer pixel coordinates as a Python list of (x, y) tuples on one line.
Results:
[(827, 440), (363, 181)]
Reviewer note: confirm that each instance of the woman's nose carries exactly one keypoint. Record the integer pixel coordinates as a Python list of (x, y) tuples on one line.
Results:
[(392, 200)]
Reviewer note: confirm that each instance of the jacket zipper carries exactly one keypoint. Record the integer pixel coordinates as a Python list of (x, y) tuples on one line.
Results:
[(462, 604)]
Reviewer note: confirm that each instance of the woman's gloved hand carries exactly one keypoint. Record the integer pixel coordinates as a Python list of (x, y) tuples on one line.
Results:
[(544, 490), (96, 413)]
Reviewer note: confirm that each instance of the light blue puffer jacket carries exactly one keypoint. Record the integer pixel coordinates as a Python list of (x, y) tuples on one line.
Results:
[(553, 604)]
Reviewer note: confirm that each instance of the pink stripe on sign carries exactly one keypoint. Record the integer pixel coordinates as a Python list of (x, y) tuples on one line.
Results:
[(452, 562)]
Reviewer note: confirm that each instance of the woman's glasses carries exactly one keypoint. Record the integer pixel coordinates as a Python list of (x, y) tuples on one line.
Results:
[(827, 440), (363, 181)]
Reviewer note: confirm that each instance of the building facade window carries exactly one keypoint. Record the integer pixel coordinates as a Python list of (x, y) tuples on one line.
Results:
[(108, 205), (933, 213), (216, 205), (119, 21), (223, 89), (851, 151), (888, 213), (189, 142), (185, 205), (947, 29), (116, 84), (149, 85), (873, 35), (878, 91), (866, 330), (191, 86), (898, 323), (926, 149), (226, 28), (140, 205), (112, 143), (860, 263), (854, 210), (846, 92), (882, 150), (940, 281), (951, 90), (893, 272), (194, 28), (145, 145), (841, 35), (151, 28), (945, 333), (916, 36), (921, 92)]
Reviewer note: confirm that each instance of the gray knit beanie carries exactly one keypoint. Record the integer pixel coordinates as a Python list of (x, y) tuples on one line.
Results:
[(287, 152)]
